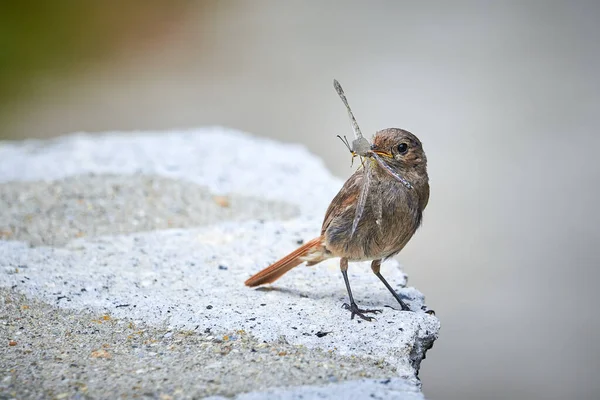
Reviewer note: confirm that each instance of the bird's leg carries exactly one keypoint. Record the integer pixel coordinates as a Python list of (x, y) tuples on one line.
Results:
[(352, 307), (376, 266)]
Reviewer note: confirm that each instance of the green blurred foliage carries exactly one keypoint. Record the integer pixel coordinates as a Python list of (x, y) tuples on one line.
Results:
[(46, 41), (47, 38)]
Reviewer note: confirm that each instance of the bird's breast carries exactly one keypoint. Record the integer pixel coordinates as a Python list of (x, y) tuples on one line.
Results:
[(391, 216)]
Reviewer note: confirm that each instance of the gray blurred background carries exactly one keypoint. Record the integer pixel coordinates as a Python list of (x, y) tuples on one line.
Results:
[(504, 95)]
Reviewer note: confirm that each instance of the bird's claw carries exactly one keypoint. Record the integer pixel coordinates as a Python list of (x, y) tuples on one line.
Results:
[(353, 308)]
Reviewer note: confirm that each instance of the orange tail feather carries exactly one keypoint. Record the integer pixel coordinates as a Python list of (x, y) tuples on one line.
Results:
[(277, 269)]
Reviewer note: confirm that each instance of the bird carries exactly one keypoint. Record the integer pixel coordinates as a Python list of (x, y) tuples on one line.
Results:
[(373, 216)]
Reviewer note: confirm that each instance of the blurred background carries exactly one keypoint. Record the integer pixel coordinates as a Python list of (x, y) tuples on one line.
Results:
[(504, 95)]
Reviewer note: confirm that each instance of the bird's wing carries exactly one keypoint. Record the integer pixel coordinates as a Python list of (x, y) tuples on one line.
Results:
[(346, 197)]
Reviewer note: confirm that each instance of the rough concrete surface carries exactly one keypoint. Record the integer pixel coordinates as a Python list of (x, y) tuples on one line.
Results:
[(122, 261), (53, 352), (52, 213)]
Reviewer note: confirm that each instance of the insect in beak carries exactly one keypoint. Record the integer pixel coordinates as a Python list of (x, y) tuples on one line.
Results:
[(347, 144)]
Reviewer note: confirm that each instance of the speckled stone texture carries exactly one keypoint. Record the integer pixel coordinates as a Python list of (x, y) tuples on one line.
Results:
[(161, 230)]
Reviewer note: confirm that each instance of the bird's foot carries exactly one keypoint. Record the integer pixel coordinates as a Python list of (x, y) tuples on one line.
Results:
[(353, 308), (403, 307)]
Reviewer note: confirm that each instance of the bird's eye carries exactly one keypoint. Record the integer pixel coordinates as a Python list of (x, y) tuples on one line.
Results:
[(402, 148)]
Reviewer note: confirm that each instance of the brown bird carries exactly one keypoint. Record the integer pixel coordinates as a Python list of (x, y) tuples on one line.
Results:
[(373, 216)]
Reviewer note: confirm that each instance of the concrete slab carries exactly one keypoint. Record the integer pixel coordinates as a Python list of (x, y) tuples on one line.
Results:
[(161, 230)]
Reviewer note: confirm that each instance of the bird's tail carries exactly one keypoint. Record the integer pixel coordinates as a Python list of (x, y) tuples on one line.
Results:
[(295, 258)]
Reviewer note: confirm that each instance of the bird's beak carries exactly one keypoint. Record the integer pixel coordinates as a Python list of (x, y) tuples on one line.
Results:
[(381, 153)]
